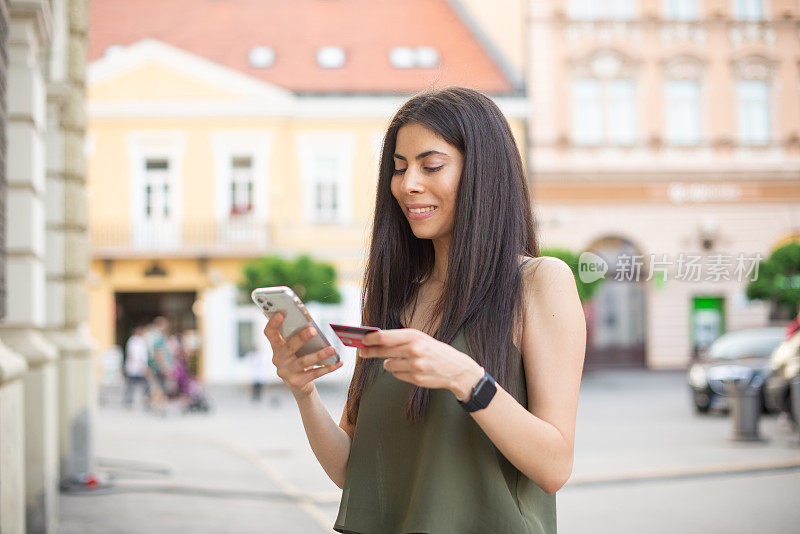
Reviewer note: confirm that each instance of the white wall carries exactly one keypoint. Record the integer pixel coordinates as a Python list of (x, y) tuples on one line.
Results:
[(220, 346)]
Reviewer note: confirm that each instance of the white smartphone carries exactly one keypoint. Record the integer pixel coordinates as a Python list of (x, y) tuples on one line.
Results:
[(272, 300)]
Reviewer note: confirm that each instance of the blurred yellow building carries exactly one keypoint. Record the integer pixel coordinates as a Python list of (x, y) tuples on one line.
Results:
[(196, 167)]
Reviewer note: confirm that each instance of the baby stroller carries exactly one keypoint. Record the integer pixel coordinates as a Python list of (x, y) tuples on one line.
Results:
[(190, 389)]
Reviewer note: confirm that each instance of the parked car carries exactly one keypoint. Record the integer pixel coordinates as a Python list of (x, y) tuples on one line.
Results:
[(785, 365), (741, 353)]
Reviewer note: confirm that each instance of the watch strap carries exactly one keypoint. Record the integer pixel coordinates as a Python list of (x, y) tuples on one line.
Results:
[(482, 394)]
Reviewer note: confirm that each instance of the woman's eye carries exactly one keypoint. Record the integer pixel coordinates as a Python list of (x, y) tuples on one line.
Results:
[(429, 169)]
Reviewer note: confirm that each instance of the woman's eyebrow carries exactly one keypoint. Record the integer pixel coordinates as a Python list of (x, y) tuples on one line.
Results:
[(420, 156)]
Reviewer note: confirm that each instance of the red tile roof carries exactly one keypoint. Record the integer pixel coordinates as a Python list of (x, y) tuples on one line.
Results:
[(224, 31)]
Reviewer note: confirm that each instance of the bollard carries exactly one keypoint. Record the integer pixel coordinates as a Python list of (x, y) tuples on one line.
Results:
[(745, 407), (794, 393)]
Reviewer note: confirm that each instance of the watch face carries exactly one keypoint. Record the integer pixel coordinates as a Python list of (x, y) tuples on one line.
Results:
[(485, 390), (482, 394)]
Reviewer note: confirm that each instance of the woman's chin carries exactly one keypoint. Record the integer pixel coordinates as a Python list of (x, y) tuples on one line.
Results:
[(424, 235)]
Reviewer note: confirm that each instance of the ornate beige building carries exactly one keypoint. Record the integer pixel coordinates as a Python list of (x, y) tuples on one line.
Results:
[(663, 130), (46, 377)]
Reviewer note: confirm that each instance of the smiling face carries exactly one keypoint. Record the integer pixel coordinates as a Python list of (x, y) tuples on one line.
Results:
[(426, 177)]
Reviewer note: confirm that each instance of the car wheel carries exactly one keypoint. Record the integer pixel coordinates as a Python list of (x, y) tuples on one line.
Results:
[(701, 407)]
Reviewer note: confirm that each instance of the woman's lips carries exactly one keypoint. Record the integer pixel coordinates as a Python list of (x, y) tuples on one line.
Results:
[(418, 216)]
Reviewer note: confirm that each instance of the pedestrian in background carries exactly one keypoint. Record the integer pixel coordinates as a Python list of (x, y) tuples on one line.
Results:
[(258, 360), (460, 416), (136, 366), (157, 364), (163, 360)]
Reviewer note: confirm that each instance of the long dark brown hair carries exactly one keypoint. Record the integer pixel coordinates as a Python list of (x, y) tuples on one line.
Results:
[(493, 227)]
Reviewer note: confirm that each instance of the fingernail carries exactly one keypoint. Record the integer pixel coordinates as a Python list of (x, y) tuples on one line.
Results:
[(311, 332)]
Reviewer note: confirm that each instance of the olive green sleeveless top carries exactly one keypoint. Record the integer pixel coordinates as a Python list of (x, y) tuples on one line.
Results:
[(441, 475)]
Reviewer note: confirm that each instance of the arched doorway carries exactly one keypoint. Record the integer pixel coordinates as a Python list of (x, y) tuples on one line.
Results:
[(616, 321)]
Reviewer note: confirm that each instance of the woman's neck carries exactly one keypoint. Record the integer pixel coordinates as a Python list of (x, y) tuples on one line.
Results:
[(441, 251)]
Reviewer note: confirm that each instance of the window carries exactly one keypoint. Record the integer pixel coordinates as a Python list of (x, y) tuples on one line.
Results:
[(603, 111), (155, 159), (325, 188), (241, 185), (601, 9), (754, 110), (406, 57), (619, 9), (587, 112), (682, 112), (749, 9), (156, 189), (331, 57), (261, 57), (241, 174), (326, 169), (681, 9), (620, 112)]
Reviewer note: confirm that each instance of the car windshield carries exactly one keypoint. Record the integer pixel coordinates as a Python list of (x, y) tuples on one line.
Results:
[(746, 343)]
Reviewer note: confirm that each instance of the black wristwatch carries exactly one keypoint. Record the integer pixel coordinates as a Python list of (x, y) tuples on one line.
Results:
[(482, 394)]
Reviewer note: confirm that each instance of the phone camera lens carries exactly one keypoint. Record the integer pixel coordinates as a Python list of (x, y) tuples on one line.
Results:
[(269, 304)]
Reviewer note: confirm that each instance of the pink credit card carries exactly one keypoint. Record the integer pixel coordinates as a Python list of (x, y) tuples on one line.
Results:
[(352, 336)]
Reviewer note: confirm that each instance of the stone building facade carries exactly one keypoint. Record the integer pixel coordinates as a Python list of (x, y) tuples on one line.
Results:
[(46, 378)]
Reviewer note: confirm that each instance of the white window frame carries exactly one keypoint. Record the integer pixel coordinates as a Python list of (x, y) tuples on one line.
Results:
[(254, 144), (340, 145), (672, 132), (143, 145), (744, 126)]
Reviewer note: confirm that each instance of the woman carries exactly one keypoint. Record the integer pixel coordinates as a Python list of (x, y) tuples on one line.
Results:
[(427, 442)]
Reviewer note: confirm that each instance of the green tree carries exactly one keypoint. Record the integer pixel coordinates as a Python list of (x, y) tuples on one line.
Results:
[(585, 290), (778, 281), (309, 279)]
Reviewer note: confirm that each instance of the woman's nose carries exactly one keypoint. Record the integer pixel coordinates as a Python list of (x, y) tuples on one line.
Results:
[(412, 180)]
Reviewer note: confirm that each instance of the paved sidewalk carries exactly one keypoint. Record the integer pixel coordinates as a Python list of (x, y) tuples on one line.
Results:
[(644, 462)]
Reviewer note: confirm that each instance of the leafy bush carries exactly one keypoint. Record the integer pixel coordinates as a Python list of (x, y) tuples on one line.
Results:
[(309, 279), (778, 281)]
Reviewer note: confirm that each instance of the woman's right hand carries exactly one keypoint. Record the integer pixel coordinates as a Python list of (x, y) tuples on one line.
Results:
[(293, 370)]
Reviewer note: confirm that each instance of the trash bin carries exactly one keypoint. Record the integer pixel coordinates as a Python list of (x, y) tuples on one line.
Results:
[(745, 405)]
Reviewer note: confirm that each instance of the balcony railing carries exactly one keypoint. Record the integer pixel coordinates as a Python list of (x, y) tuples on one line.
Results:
[(189, 238)]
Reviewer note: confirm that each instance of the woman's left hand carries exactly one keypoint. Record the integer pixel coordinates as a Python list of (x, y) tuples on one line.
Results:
[(414, 356)]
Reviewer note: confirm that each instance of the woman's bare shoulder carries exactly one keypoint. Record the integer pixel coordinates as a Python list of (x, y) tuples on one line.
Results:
[(541, 273), (542, 267)]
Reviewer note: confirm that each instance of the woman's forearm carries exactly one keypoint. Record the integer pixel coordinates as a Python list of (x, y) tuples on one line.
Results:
[(533, 445), (331, 444)]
